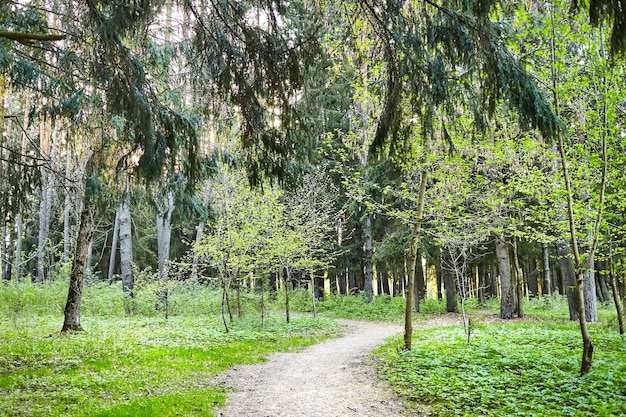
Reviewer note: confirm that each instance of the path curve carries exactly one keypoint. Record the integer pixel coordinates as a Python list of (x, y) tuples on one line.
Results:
[(334, 378)]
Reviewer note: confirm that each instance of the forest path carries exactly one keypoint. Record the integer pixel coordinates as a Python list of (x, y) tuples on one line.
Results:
[(331, 379)]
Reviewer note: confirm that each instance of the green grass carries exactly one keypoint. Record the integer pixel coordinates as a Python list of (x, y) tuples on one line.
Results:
[(134, 366), (516, 368)]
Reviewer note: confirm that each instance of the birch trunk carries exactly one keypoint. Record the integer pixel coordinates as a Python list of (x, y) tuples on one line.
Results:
[(112, 258), (126, 247)]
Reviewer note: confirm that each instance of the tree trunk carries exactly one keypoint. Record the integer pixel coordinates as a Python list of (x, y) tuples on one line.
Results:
[(196, 256), (287, 284), (568, 275), (126, 246), (589, 292), (165, 207), (383, 276), (408, 310), (507, 302), (367, 249), (420, 281), (482, 283), (439, 277), (67, 205), (44, 227), (77, 274), (5, 258), (616, 292), (451, 291), (112, 258), (519, 282), (19, 233), (547, 276)]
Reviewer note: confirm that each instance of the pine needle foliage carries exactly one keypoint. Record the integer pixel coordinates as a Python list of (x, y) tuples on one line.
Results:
[(255, 56), (449, 56)]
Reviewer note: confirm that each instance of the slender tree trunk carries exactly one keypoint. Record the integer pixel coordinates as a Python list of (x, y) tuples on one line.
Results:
[(589, 292), (367, 249), (3, 250), (196, 256), (615, 291), (19, 233), (408, 310), (126, 246), (547, 276), (44, 225), (287, 273), (439, 277), (77, 274), (519, 281), (67, 206), (568, 275), (165, 207), (452, 305), (482, 283), (112, 258), (420, 280), (507, 303)]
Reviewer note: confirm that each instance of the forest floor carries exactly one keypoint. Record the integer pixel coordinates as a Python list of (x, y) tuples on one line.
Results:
[(335, 378)]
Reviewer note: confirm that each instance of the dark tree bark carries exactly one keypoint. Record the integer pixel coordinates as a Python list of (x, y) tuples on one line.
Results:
[(507, 301), (568, 275), (439, 277), (420, 279)]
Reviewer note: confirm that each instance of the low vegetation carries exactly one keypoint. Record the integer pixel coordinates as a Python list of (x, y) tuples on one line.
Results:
[(131, 361), (526, 367), (129, 365)]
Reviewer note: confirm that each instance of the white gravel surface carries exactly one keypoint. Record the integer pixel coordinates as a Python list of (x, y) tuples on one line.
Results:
[(331, 379)]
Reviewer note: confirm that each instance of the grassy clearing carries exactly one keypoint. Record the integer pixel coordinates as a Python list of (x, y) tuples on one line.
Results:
[(515, 368), (127, 365)]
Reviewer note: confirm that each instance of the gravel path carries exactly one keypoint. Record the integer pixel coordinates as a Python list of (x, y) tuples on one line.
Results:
[(331, 379)]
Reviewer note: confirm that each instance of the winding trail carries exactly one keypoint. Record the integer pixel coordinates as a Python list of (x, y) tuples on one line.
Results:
[(331, 379)]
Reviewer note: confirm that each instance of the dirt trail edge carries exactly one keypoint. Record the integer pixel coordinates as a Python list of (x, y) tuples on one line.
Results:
[(331, 379)]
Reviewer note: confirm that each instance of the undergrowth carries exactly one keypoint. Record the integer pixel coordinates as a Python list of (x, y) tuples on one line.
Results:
[(134, 366), (519, 368)]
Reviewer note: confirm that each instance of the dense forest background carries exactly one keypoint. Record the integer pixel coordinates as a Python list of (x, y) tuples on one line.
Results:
[(451, 150)]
